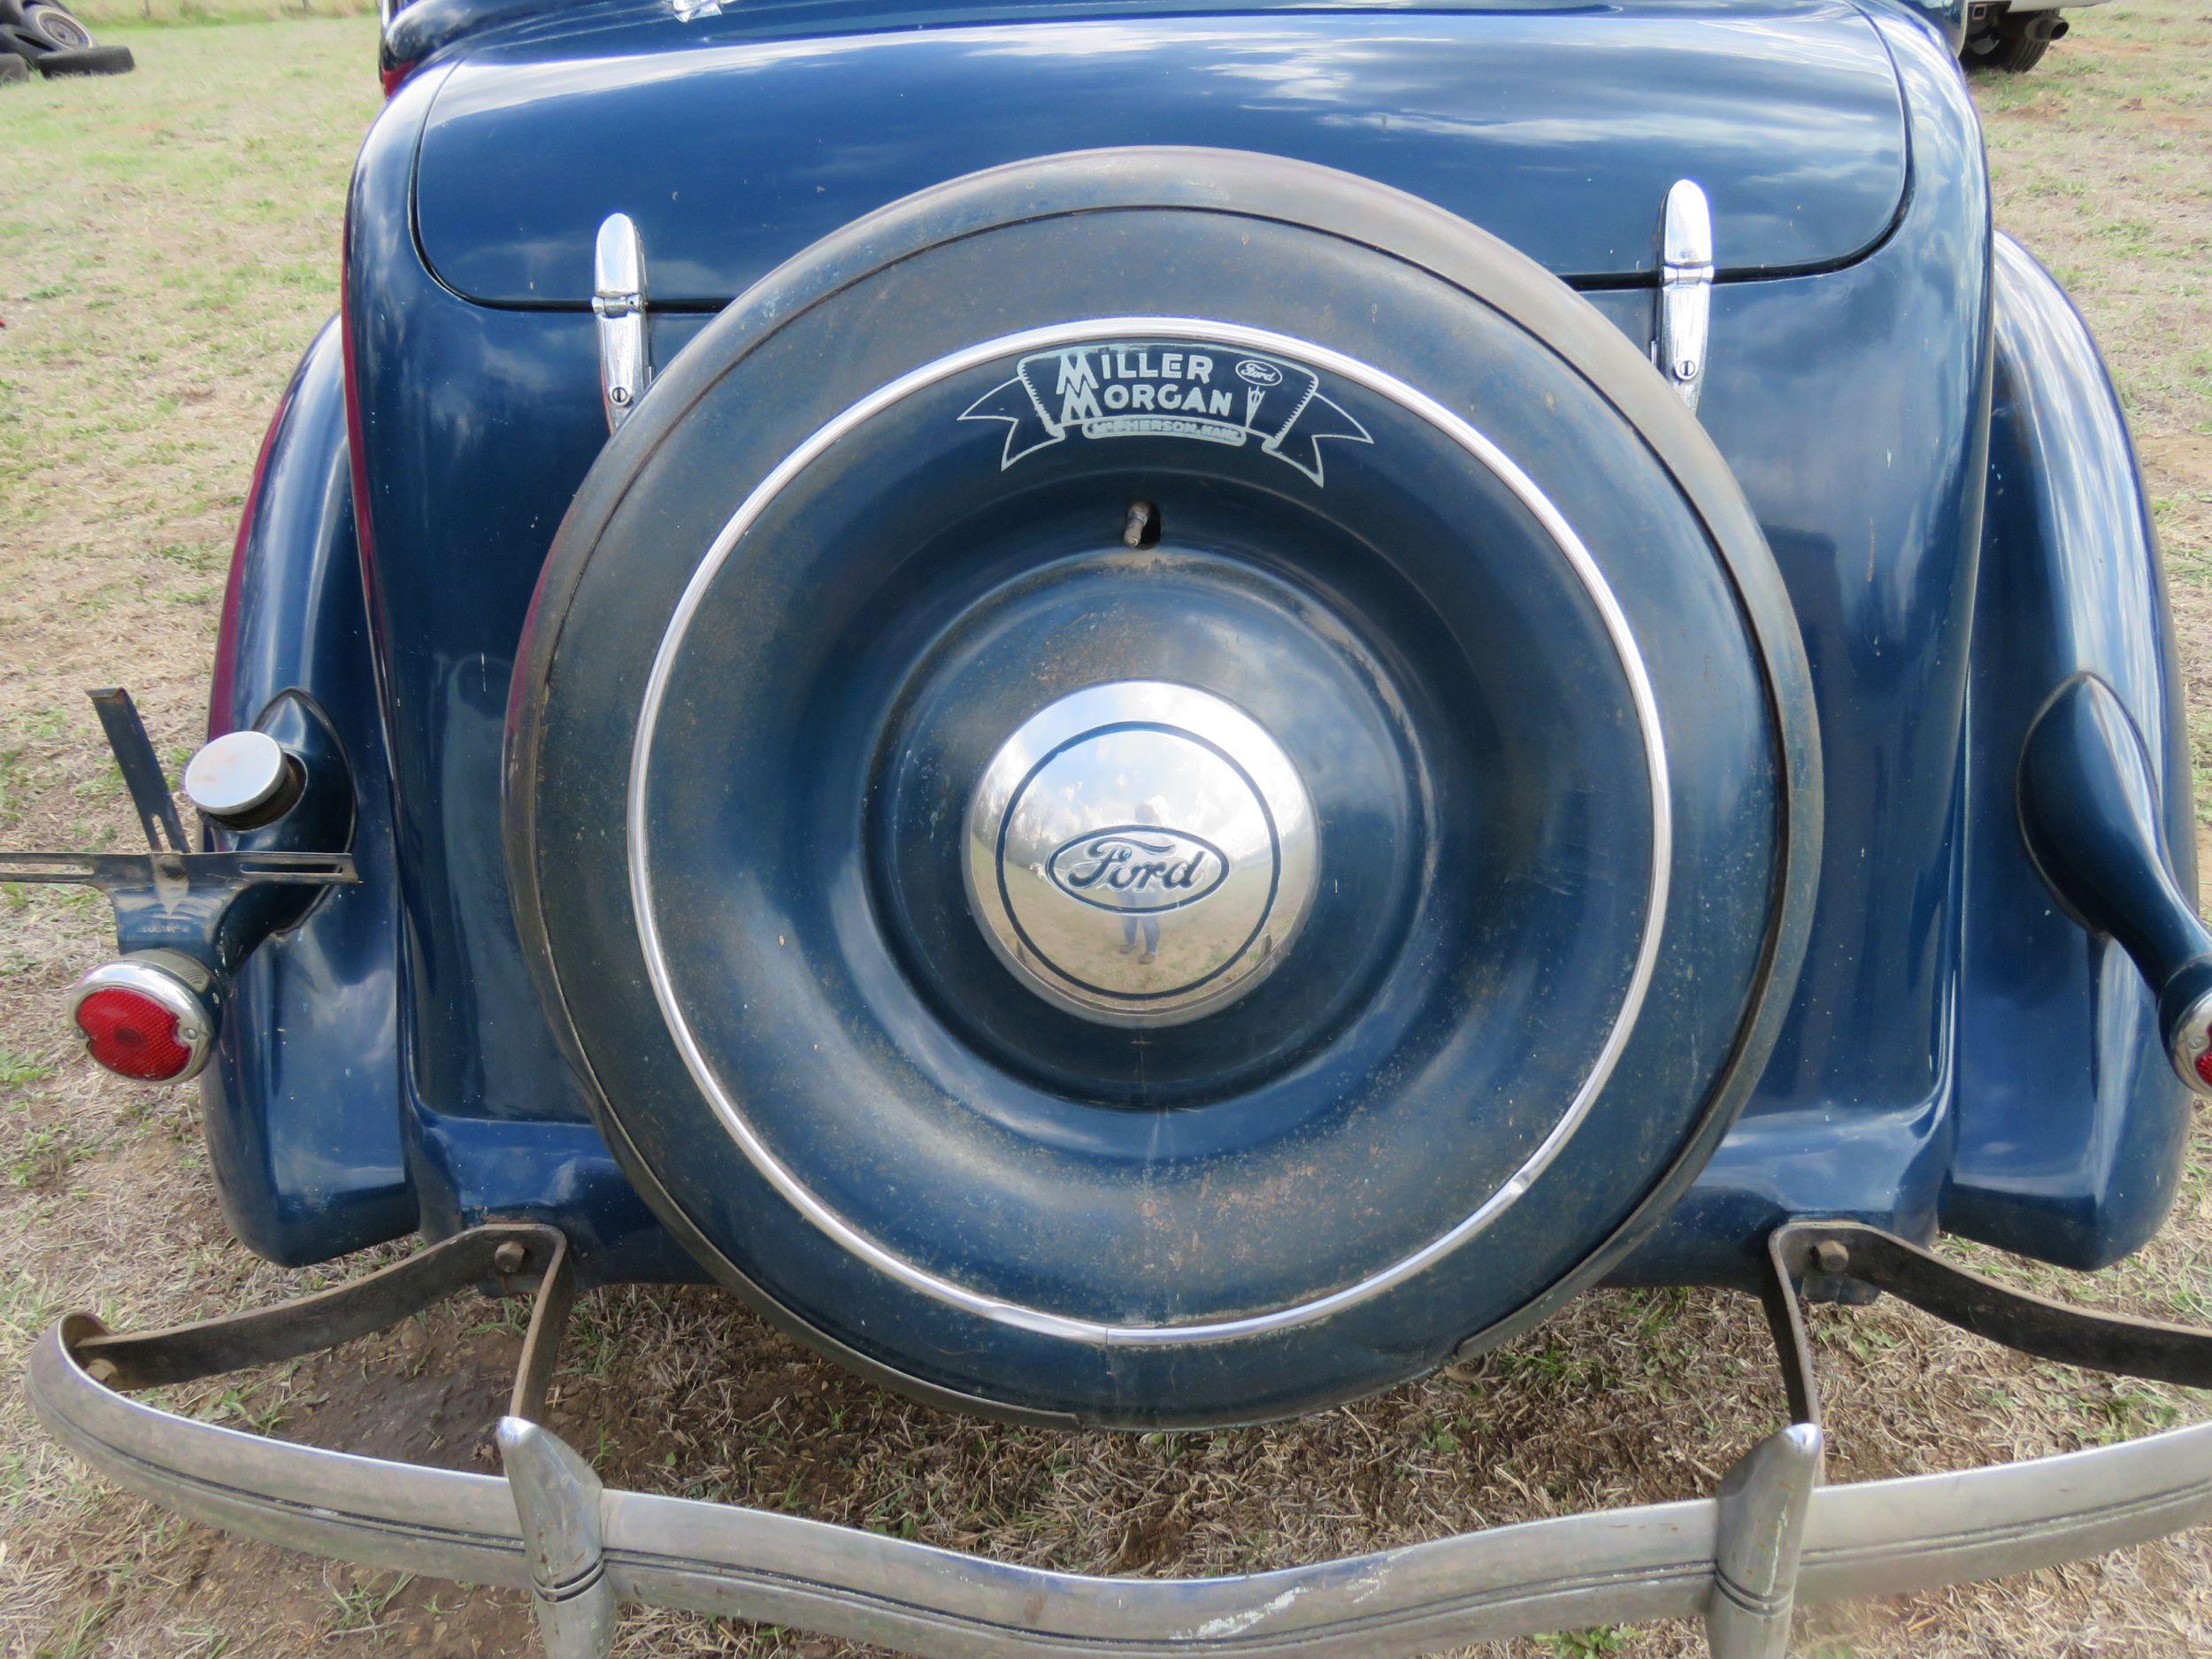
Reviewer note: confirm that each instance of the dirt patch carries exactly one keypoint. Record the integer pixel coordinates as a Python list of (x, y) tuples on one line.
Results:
[(424, 1395), (268, 1600), (2178, 459)]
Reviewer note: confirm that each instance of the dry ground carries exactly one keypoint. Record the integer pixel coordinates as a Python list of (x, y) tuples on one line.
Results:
[(159, 268)]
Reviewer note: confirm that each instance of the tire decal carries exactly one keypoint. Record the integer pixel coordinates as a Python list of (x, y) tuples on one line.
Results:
[(1154, 388)]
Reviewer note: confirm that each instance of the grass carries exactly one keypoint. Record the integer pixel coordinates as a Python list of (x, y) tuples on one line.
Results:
[(2098, 163), (113, 20), (157, 289)]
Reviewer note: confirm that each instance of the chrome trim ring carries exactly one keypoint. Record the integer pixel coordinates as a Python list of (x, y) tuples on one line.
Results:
[(1485, 453), (2188, 1039), (146, 974), (1141, 854)]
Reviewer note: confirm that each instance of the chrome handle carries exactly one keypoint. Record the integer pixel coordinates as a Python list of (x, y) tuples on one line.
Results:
[(618, 299), (1685, 288)]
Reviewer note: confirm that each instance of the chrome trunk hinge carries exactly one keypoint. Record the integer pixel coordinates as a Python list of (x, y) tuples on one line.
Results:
[(618, 299), (1685, 288)]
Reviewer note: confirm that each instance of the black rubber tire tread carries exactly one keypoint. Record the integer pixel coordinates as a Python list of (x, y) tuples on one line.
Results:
[(92, 60), (1264, 187)]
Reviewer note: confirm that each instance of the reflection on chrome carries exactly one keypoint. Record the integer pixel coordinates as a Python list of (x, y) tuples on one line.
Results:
[(1141, 853)]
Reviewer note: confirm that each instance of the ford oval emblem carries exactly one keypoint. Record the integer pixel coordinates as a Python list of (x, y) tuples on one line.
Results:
[(1137, 867), (1088, 882), (1254, 372)]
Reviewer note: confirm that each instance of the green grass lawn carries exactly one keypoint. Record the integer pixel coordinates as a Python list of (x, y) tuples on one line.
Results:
[(159, 285), (110, 17), (2099, 160)]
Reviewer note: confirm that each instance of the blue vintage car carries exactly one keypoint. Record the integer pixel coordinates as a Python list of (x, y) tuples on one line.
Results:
[(1150, 714)]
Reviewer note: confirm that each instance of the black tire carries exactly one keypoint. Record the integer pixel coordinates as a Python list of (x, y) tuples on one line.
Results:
[(92, 60), (55, 28), (2014, 45), (13, 69), (1167, 1308)]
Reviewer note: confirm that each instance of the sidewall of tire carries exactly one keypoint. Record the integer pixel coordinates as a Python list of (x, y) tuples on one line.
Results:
[(1233, 1383)]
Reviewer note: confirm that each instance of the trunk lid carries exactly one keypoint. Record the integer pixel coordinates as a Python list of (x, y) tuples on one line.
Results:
[(735, 140)]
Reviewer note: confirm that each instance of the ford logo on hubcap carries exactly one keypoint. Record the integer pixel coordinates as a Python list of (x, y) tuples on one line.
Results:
[(1137, 867), (1141, 853)]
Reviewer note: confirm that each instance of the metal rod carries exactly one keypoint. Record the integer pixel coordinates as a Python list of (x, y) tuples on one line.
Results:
[(141, 767)]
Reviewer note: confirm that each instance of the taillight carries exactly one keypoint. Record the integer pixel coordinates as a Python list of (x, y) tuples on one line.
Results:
[(143, 1018), (135, 1035), (2189, 1044)]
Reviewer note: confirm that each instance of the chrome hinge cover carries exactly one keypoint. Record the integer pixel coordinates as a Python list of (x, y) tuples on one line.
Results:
[(618, 299), (1685, 288)]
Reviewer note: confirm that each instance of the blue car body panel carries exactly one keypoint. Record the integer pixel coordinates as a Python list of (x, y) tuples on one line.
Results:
[(302, 1103), (1546, 128), (1960, 1053), (2071, 584)]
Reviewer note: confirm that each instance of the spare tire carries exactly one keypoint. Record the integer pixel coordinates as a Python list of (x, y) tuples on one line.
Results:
[(1160, 787)]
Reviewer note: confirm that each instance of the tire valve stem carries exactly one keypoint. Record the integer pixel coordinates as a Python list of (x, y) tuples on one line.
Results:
[(1141, 528)]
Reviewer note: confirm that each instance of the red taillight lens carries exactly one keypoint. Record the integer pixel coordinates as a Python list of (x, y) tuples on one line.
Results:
[(133, 1034), (2204, 1067)]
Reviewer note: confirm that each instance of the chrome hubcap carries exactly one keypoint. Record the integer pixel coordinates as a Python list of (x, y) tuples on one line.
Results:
[(1141, 853)]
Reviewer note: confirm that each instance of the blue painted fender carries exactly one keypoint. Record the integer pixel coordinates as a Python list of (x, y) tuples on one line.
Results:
[(302, 1103), (2070, 1123)]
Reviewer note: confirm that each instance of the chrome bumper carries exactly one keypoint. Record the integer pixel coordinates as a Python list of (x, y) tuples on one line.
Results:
[(1771, 1537)]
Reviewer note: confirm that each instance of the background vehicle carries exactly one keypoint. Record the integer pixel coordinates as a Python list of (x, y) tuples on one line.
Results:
[(2013, 37), (1425, 777), (49, 37)]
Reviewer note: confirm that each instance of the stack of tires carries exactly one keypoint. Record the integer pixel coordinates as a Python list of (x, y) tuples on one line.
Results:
[(45, 36)]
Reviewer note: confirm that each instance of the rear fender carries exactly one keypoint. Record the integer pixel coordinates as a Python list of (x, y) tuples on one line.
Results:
[(303, 1104), (2070, 1120)]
